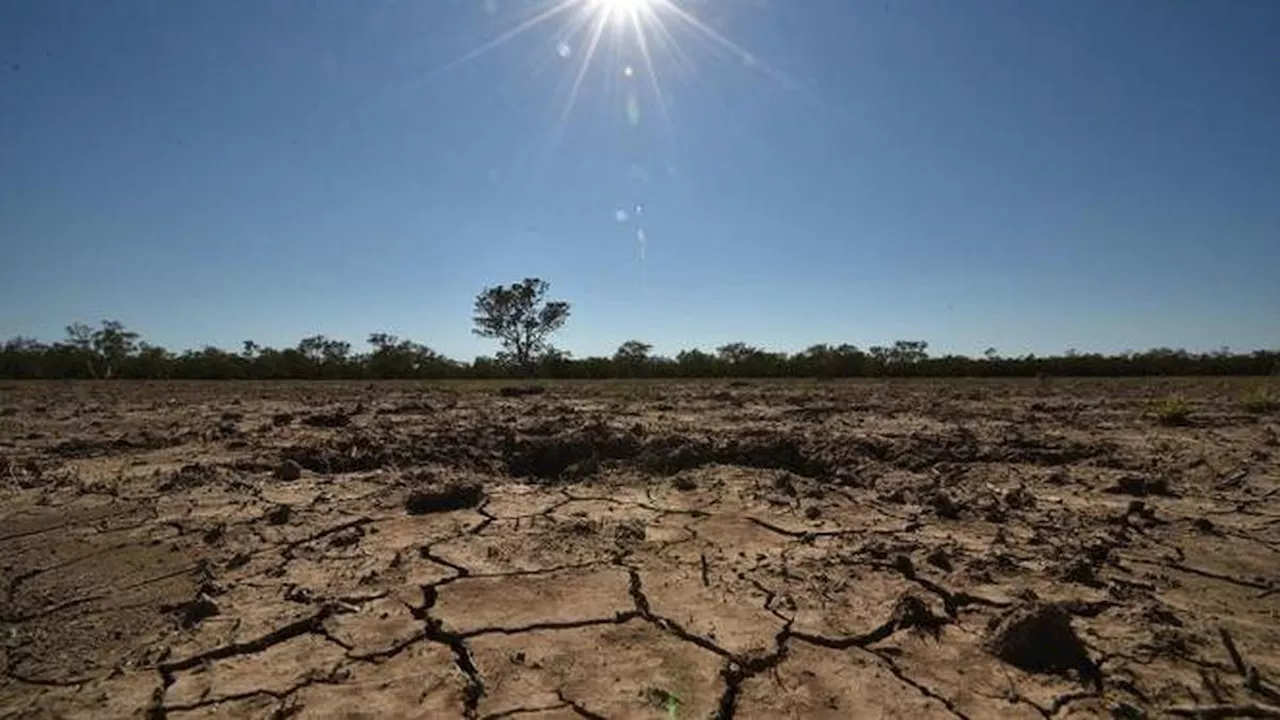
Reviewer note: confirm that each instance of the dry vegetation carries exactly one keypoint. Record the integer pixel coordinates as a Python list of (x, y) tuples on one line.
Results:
[(996, 549)]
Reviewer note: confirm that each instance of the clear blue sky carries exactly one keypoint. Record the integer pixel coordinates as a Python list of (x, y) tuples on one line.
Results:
[(1029, 175)]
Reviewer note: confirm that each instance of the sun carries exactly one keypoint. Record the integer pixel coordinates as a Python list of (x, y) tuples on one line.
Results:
[(648, 30)]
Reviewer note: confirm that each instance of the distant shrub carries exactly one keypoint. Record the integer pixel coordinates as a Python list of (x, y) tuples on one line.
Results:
[(1261, 401), (1173, 411)]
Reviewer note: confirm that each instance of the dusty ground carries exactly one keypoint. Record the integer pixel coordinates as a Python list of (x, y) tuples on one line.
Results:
[(788, 550)]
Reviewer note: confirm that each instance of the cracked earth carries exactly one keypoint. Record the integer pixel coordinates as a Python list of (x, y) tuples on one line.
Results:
[(699, 550)]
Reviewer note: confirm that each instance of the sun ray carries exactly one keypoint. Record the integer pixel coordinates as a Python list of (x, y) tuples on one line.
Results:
[(637, 24), (557, 133), (613, 40), (741, 53), (522, 27), (592, 45)]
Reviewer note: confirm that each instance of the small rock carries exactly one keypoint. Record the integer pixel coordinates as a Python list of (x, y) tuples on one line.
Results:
[(684, 482), (288, 471)]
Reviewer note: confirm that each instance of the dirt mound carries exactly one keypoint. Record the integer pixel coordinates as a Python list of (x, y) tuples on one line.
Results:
[(355, 453), (670, 454), (575, 453), (769, 451), (80, 448), (189, 476), (766, 451), (1018, 445)]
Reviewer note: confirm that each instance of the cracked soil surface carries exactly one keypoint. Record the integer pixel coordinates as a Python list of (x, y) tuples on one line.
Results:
[(687, 550)]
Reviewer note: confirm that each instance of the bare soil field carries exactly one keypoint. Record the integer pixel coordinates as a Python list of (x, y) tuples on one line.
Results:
[(1003, 549)]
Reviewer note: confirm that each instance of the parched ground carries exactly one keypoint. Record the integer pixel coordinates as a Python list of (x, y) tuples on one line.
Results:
[(696, 550)]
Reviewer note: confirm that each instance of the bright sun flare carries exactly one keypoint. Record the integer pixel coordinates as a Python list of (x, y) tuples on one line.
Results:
[(642, 41), (653, 32), (623, 6)]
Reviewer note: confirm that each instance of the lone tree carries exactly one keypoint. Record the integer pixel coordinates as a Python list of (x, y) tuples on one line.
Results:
[(519, 317), (632, 357), (103, 350)]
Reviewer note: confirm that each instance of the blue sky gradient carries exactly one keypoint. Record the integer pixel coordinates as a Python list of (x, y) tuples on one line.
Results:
[(1033, 176)]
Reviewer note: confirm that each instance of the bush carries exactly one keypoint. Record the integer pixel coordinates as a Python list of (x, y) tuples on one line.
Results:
[(1261, 401), (1173, 411)]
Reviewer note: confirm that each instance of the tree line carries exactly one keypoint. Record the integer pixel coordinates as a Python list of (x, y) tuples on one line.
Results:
[(520, 318), (112, 351)]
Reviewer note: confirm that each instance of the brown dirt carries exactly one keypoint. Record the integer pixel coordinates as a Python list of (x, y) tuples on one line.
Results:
[(697, 550)]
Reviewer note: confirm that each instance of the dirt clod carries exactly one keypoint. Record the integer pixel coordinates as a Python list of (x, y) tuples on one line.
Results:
[(279, 515), (1080, 570), (1204, 525), (944, 505), (940, 559), (1141, 486), (521, 390), (192, 613), (1037, 637), (443, 497), (327, 420), (910, 611), (288, 471)]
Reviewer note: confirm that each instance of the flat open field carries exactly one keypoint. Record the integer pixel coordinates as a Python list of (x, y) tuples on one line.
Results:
[(684, 550)]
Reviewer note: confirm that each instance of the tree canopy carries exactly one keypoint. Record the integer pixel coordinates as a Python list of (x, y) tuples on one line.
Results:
[(111, 351), (520, 318)]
